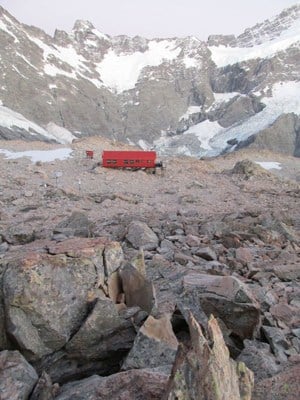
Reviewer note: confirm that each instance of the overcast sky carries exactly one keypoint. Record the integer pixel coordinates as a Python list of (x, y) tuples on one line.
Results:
[(148, 18)]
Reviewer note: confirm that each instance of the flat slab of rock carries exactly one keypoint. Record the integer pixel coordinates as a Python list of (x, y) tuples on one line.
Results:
[(143, 384)]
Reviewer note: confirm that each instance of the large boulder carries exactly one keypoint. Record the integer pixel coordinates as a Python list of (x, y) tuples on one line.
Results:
[(49, 289), (227, 298)]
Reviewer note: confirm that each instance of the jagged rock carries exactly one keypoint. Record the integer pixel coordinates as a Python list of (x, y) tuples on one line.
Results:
[(155, 345), (226, 298), (17, 377), (286, 313), (48, 294), (205, 371), (141, 236), (289, 272), (138, 290), (236, 110), (144, 384)]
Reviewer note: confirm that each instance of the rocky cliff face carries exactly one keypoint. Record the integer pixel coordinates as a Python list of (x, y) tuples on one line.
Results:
[(178, 95)]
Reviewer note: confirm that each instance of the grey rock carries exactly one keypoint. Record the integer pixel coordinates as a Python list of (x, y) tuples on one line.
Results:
[(57, 292), (103, 333), (282, 136), (155, 345), (277, 340), (206, 253), (226, 298), (259, 359), (147, 384), (17, 376), (77, 224), (141, 236)]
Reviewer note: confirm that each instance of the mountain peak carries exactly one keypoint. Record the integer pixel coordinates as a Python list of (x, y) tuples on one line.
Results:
[(83, 25)]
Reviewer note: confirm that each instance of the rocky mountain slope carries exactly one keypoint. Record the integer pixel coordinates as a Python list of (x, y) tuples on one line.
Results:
[(181, 96), (109, 278)]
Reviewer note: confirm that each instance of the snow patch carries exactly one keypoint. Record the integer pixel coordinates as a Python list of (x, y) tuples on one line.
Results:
[(205, 131), (269, 164), (37, 155), (189, 111), (120, 72), (10, 119), (61, 134)]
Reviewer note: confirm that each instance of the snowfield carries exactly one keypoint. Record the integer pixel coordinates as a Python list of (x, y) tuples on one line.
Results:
[(222, 55)]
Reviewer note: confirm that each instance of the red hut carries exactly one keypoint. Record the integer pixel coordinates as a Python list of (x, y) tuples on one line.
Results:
[(129, 159)]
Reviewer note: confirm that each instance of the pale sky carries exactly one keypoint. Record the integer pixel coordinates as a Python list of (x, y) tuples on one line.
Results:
[(148, 18)]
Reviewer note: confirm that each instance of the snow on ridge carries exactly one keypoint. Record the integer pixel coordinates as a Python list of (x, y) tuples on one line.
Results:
[(222, 55), (99, 34), (67, 55), (224, 97), (4, 28), (121, 72), (10, 119), (189, 111)]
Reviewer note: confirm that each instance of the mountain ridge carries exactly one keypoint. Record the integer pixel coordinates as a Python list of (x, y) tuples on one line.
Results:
[(150, 92)]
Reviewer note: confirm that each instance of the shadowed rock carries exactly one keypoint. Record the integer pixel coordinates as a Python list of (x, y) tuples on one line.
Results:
[(155, 345), (227, 298), (138, 290), (17, 377), (144, 384)]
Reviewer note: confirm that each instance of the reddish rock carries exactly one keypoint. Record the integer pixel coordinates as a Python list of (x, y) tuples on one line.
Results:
[(283, 386)]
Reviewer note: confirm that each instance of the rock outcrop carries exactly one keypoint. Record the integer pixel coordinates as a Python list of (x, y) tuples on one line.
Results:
[(205, 371)]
